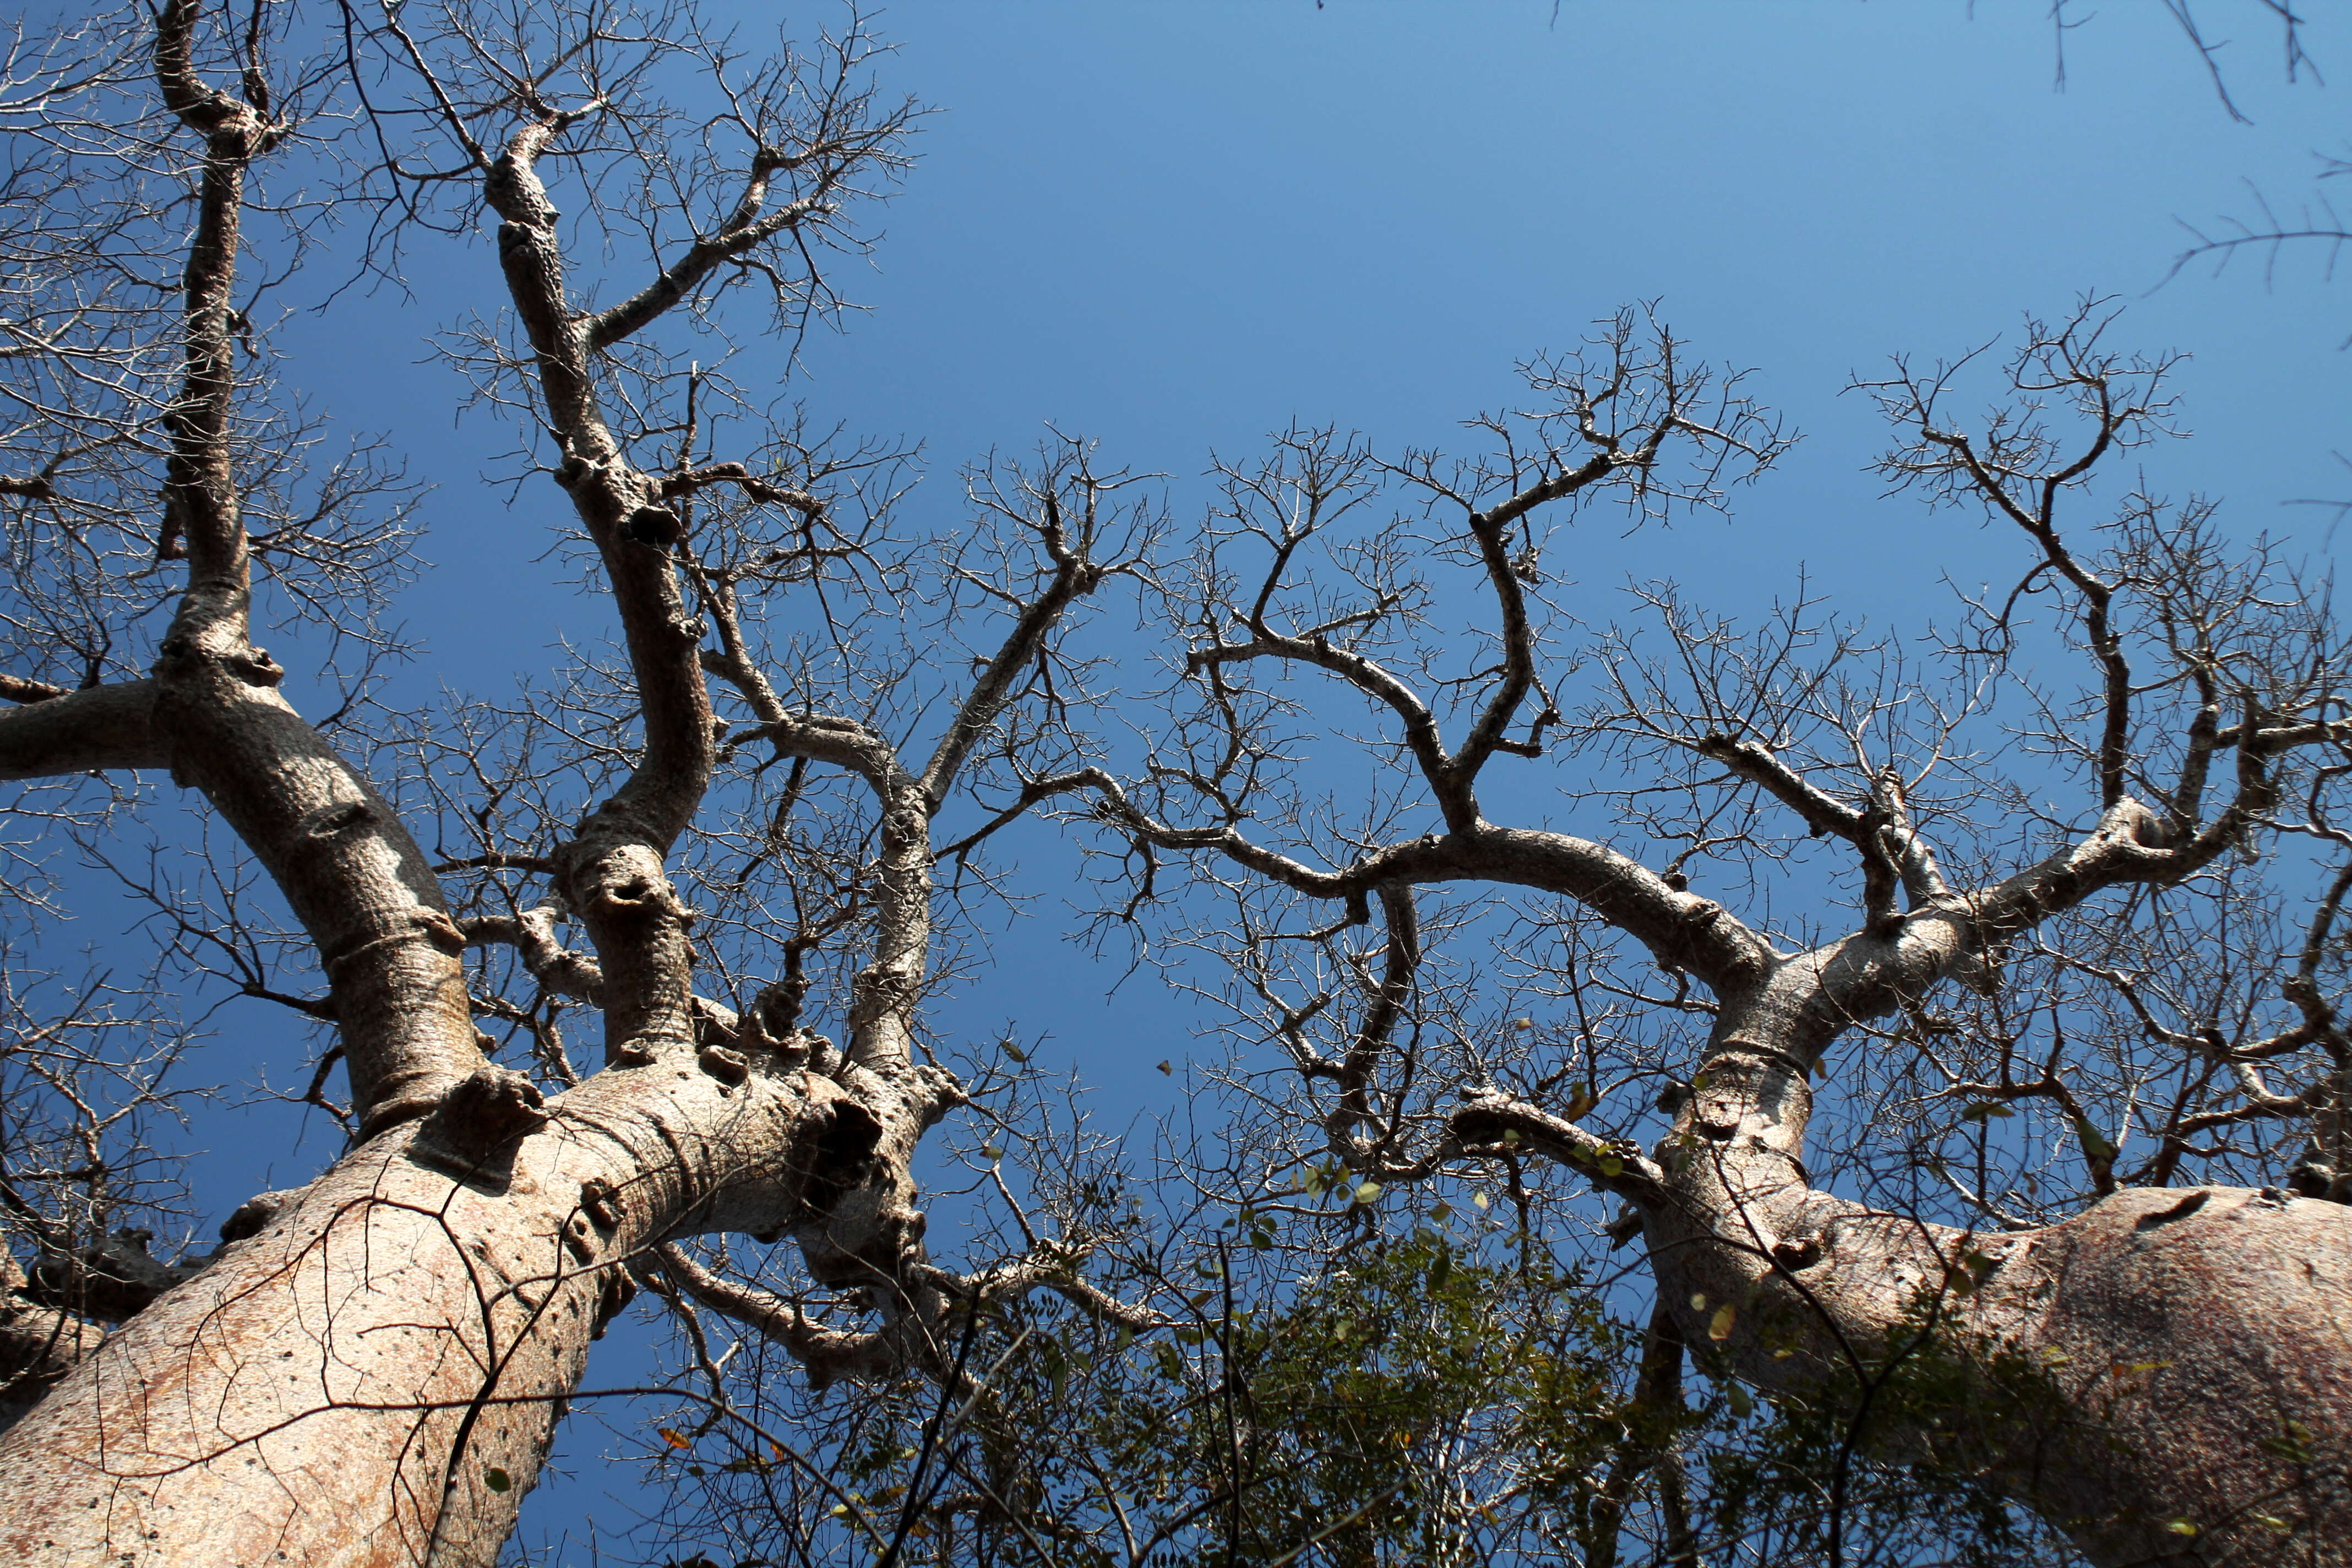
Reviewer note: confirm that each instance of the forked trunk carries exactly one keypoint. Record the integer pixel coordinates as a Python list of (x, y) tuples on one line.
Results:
[(374, 1378)]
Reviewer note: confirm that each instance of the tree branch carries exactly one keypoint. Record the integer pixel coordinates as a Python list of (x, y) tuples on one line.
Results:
[(101, 729)]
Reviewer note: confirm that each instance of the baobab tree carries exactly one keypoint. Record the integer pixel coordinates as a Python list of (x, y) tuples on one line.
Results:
[(2044, 912), (2083, 984), (368, 1368)]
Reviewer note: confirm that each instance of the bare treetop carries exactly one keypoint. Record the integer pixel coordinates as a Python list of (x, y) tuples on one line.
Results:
[(1899, 987)]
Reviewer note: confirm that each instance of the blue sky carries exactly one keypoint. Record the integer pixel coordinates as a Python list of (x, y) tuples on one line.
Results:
[(1174, 227), (1177, 227)]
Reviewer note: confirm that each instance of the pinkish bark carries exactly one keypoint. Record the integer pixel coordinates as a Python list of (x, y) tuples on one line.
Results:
[(352, 1384)]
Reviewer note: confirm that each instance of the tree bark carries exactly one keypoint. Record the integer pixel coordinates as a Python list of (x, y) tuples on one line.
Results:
[(2166, 1376), (374, 1378)]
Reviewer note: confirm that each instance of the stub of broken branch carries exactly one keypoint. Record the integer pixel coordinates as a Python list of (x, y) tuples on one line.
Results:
[(1498, 1124), (485, 1115)]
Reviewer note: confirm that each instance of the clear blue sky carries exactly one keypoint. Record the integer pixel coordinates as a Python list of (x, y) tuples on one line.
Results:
[(1176, 226)]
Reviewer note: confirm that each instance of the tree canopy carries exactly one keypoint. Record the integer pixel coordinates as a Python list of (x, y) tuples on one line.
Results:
[(1681, 1081)]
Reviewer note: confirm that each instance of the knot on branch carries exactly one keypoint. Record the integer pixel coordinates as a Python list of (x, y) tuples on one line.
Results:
[(440, 930), (779, 1046), (881, 990), (515, 238), (434, 925), (730, 1067), (330, 820), (2131, 828), (1796, 1252), (639, 896), (1743, 1080), (2315, 1178), (1977, 968), (600, 1200), (251, 1217), (771, 1023), (615, 1292), (183, 656), (486, 1115), (255, 668), (938, 1091)]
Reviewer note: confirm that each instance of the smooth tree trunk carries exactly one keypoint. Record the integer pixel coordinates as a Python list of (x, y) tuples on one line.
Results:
[(374, 1377), (2167, 1376), (370, 1370)]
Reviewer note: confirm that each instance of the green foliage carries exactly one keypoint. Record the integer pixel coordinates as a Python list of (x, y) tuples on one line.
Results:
[(1412, 1402), (1418, 1398)]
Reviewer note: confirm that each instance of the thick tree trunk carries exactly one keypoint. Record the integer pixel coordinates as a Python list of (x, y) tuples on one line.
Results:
[(2167, 1376), (374, 1378)]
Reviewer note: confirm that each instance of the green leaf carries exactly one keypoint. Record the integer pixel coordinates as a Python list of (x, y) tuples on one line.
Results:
[(496, 1479), (1984, 1108), (1366, 1192), (2094, 1143), (2292, 1444)]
